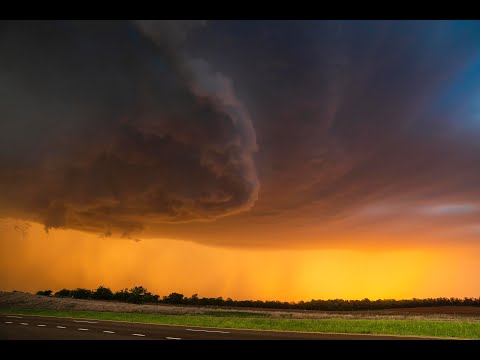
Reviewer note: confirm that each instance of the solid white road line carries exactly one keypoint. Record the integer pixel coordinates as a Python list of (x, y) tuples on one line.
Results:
[(41, 325), (172, 338), (85, 321), (16, 317), (109, 332), (138, 335), (23, 323), (8, 322), (210, 331), (82, 329), (61, 327)]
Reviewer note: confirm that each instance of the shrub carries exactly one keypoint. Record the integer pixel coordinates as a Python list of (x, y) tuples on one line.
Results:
[(45, 293), (63, 293)]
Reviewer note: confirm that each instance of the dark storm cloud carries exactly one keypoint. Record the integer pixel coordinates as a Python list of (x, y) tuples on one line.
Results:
[(355, 116), (360, 125), (109, 126), (385, 141)]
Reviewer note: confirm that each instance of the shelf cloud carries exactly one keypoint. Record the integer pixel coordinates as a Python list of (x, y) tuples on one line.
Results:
[(250, 133), (106, 126)]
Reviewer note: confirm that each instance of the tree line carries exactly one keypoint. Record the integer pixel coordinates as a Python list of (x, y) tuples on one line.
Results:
[(140, 295)]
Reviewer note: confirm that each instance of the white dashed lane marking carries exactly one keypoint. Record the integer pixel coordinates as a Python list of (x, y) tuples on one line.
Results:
[(210, 331), (113, 332), (85, 321), (82, 329)]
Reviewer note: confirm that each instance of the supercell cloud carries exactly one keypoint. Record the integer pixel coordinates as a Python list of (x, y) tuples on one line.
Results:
[(354, 129), (106, 126)]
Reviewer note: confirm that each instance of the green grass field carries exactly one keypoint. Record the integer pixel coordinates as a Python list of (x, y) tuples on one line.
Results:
[(447, 329)]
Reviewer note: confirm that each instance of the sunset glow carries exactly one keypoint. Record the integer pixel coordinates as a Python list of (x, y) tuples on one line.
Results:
[(70, 259), (288, 160)]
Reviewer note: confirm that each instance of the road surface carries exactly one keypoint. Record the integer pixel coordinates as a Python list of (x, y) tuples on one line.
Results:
[(23, 327)]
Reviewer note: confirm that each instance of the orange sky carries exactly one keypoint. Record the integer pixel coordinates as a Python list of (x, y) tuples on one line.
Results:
[(35, 260), (282, 160)]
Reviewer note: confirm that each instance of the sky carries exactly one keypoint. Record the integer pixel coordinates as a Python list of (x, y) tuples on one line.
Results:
[(283, 160)]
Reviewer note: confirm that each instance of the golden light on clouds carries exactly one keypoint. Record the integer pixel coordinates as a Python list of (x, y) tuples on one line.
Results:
[(346, 168), (32, 260)]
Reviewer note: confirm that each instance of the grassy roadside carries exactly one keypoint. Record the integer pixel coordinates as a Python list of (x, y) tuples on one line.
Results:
[(448, 329)]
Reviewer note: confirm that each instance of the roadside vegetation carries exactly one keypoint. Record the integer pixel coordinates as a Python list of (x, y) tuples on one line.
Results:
[(140, 295), (444, 329)]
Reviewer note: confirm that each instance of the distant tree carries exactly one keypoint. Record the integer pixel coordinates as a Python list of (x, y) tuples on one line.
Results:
[(193, 300), (102, 293), (138, 290), (63, 293), (173, 298), (122, 295), (219, 301), (141, 295), (80, 293), (146, 296), (45, 293)]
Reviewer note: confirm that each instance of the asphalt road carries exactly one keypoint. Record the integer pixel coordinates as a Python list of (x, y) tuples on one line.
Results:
[(22, 327)]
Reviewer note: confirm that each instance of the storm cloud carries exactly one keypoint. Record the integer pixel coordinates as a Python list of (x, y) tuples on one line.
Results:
[(363, 127), (106, 126), (354, 129)]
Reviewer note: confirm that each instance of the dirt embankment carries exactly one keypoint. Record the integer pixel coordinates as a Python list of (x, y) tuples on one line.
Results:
[(24, 300)]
